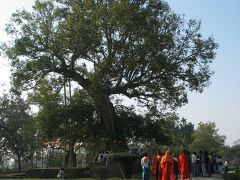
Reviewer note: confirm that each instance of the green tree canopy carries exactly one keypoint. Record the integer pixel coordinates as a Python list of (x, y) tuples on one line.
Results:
[(206, 137), (234, 152), (14, 123), (69, 124), (142, 128), (139, 49)]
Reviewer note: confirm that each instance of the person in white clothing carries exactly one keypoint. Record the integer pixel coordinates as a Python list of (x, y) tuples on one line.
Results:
[(226, 166), (61, 174), (194, 164), (145, 167)]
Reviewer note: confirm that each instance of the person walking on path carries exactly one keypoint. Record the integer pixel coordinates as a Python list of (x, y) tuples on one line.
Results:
[(167, 166), (156, 164), (194, 164), (207, 163), (225, 166), (183, 166), (175, 167), (145, 167)]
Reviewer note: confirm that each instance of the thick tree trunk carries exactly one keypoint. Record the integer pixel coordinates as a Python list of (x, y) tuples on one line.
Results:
[(66, 157), (70, 158), (115, 139), (19, 162)]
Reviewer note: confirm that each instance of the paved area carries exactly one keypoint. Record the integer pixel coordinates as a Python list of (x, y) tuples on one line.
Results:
[(214, 177)]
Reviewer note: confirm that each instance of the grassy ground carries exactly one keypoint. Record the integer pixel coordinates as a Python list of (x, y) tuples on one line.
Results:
[(214, 177), (71, 179)]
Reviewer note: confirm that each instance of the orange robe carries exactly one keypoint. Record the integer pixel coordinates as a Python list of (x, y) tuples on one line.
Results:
[(156, 164), (167, 166), (183, 166)]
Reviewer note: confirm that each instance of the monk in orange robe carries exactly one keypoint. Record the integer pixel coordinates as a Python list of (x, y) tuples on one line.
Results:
[(183, 166), (167, 166), (156, 164)]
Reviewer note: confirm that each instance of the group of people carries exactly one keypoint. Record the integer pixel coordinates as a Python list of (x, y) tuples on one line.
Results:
[(103, 157), (204, 163), (166, 167)]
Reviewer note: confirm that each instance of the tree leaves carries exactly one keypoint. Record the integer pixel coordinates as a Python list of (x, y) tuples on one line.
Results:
[(206, 137), (16, 142), (138, 49)]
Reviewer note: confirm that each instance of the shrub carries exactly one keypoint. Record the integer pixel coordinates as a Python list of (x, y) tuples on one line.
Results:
[(233, 175), (100, 172), (126, 160)]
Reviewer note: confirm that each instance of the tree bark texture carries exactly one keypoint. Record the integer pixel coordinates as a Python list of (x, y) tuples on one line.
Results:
[(115, 139), (19, 162), (70, 158)]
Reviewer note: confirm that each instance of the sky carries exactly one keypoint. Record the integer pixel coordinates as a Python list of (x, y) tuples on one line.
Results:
[(220, 102)]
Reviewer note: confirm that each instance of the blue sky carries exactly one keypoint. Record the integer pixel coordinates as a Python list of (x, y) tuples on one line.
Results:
[(221, 101)]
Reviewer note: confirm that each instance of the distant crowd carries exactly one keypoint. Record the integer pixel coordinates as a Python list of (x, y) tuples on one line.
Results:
[(169, 166), (204, 163), (186, 164)]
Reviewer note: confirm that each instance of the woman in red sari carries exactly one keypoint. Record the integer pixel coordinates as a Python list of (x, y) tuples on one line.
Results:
[(167, 166), (156, 164)]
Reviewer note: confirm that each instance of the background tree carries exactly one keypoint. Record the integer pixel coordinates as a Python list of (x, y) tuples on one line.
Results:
[(32, 141), (139, 49), (141, 128), (68, 123), (206, 137), (179, 132), (14, 121), (184, 132), (233, 152)]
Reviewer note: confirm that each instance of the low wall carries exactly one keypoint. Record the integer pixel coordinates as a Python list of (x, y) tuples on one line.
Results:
[(111, 170), (52, 173)]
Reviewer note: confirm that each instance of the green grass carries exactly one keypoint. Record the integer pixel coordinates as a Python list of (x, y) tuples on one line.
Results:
[(59, 179)]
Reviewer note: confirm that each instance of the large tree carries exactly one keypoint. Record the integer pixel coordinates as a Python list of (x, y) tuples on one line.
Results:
[(139, 49)]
